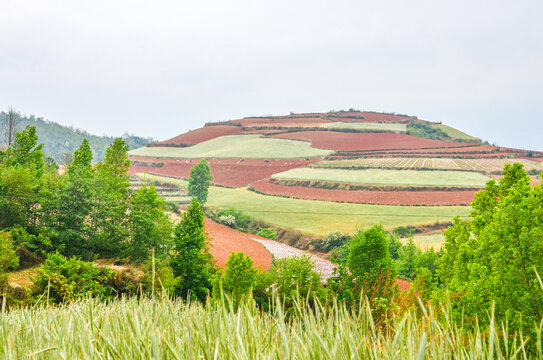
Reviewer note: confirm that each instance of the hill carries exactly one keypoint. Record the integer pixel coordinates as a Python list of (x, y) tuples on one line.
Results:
[(318, 172), (58, 139)]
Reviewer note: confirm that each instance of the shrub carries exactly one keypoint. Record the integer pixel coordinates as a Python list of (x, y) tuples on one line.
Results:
[(228, 220), (242, 219), (332, 240), (295, 276), (238, 279), (62, 279), (268, 233), (8, 254)]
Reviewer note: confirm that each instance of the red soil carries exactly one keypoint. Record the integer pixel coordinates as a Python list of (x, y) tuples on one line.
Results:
[(368, 197), (203, 134), (226, 172), (341, 141), (402, 284), (284, 122), (226, 240)]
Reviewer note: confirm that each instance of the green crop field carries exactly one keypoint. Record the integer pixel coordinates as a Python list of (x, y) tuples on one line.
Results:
[(425, 242), (397, 127), (321, 217), (388, 177), (237, 146), (454, 133)]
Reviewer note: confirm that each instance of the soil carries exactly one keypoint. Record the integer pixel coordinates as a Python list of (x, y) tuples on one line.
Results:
[(367, 197), (226, 240), (343, 141), (203, 134)]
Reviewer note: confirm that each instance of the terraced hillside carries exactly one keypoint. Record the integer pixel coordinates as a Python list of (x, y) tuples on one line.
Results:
[(320, 172)]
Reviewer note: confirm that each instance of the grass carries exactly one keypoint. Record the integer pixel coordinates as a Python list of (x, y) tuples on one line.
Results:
[(237, 146), (388, 177), (160, 328), (397, 127), (455, 133), (321, 217), (425, 242)]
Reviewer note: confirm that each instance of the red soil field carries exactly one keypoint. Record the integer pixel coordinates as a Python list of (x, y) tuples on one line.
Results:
[(226, 240), (203, 134), (402, 284), (285, 122), (341, 141), (226, 172), (368, 197)]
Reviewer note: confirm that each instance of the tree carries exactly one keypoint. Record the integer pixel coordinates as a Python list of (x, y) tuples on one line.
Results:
[(238, 279), (109, 215), (369, 253), (76, 202), (199, 181), (192, 262), (25, 151), (8, 253), (295, 276), (148, 224), (9, 125), (495, 257)]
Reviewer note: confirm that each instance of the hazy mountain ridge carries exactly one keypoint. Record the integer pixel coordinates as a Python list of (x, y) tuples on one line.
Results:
[(59, 139)]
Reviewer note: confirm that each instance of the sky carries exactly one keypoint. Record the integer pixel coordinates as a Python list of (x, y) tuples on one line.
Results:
[(159, 68)]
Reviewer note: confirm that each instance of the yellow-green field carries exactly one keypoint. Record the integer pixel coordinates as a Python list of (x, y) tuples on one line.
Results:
[(237, 146), (454, 133), (425, 242), (320, 217), (388, 177)]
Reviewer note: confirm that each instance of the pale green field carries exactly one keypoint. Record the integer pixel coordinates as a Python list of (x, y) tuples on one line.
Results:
[(388, 177), (237, 146), (424, 242), (320, 217), (455, 133), (368, 126)]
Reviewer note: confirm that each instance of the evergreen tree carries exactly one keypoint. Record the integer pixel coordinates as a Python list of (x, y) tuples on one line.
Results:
[(192, 262), (239, 277), (199, 181)]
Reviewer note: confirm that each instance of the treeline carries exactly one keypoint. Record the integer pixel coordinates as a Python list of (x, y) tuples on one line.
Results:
[(59, 141)]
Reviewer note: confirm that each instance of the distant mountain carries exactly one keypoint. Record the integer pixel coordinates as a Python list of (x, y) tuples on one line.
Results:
[(58, 139)]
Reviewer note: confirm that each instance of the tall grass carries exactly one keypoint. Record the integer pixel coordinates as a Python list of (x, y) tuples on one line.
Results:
[(161, 328)]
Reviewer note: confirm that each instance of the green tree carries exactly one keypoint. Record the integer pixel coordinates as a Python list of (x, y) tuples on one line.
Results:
[(199, 181), (8, 253), (25, 151), (295, 276), (148, 224), (17, 196), (109, 215), (238, 279), (76, 202), (369, 254), (494, 257), (192, 262)]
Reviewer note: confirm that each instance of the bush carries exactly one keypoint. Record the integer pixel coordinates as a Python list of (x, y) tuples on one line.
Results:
[(268, 233), (295, 276), (242, 220), (62, 279), (238, 279), (228, 220), (333, 240), (165, 279)]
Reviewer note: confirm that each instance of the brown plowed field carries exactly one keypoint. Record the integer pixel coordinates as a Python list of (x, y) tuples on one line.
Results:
[(226, 172), (203, 134), (226, 240), (284, 122), (367, 197), (341, 141)]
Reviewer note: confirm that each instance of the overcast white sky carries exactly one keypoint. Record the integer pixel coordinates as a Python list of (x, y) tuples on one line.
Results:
[(159, 68)]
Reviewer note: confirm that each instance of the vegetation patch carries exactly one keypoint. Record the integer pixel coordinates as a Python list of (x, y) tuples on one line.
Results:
[(237, 146)]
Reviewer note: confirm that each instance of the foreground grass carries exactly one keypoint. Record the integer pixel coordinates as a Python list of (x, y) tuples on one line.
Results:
[(170, 329), (388, 177), (237, 146), (322, 217)]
